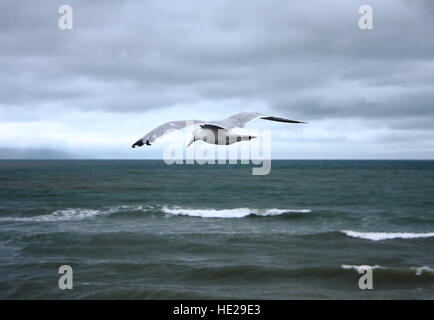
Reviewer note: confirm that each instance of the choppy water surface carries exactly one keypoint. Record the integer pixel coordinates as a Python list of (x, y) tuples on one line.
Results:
[(145, 230)]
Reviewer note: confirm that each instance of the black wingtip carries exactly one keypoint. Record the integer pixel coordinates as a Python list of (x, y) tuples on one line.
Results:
[(282, 120), (140, 143)]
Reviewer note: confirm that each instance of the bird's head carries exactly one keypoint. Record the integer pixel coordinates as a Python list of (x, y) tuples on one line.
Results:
[(198, 135)]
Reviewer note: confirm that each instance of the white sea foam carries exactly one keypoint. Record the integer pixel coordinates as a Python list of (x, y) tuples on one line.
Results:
[(71, 214), (229, 213), (357, 268), (377, 236), (418, 270), (424, 269)]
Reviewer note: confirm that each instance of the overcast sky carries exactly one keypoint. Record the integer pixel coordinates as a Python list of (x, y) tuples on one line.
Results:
[(128, 66)]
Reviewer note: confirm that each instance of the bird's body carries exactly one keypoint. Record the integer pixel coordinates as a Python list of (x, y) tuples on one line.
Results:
[(214, 132), (213, 135)]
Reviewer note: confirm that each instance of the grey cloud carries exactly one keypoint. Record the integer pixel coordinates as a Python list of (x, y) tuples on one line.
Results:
[(307, 59)]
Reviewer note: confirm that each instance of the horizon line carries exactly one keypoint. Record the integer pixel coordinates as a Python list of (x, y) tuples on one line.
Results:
[(159, 159)]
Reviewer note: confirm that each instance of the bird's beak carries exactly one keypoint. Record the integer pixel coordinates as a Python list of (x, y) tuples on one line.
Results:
[(190, 143)]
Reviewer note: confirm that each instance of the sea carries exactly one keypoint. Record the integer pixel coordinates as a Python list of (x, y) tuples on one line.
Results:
[(133, 229)]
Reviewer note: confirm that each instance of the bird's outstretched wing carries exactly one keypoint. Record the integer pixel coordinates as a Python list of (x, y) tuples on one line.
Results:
[(239, 120), (168, 127)]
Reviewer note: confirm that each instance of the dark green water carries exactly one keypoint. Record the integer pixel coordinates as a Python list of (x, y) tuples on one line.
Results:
[(145, 230)]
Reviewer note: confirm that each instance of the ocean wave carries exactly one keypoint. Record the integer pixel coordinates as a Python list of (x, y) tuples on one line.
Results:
[(229, 213), (358, 268), (418, 271), (424, 269), (74, 214), (377, 236)]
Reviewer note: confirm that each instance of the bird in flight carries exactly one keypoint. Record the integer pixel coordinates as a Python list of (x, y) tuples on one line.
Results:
[(213, 132)]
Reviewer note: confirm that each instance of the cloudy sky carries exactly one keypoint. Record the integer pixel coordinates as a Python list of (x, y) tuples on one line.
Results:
[(128, 66)]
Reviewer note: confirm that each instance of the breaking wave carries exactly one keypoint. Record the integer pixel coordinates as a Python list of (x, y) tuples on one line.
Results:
[(418, 271), (424, 269), (377, 236), (74, 214), (230, 213), (358, 268)]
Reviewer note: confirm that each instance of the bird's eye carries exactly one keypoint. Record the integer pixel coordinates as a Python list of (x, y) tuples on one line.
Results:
[(204, 138)]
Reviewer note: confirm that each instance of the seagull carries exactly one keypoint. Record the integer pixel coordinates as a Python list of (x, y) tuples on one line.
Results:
[(214, 132)]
